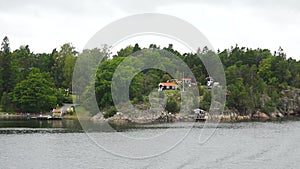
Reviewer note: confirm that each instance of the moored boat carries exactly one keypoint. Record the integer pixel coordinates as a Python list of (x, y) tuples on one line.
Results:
[(199, 115)]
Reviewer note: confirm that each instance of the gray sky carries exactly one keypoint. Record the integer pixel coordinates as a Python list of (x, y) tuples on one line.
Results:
[(47, 24)]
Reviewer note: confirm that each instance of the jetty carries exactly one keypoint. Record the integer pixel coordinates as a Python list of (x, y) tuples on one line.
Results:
[(46, 117), (57, 113)]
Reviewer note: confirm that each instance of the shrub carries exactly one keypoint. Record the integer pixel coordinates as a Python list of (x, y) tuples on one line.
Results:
[(110, 112)]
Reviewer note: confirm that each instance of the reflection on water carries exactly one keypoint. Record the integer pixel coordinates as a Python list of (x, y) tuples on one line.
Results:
[(14, 125), (61, 144), (23, 125)]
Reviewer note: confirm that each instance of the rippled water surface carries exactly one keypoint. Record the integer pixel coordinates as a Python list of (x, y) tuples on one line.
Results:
[(63, 144)]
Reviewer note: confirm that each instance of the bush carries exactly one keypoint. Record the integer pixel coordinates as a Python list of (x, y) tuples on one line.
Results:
[(110, 112), (68, 99), (172, 106)]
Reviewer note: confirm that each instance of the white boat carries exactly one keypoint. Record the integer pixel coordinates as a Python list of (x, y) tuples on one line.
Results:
[(199, 115)]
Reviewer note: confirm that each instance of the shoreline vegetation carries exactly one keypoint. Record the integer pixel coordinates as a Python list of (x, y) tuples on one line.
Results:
[(260, 84)]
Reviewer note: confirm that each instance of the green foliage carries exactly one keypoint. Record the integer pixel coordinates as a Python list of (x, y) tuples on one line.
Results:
[(8, 70), (110, 112), (136, 48), (250, 74), (205, 101), (256, 79), (84, 72), (268, 107), (60, 94), (62, 69), (126, 51), (238, 97), (172, 105), (69, 64), (166, 77), (254, 75), (103, 82), (35, 94), (173, 101), (6, 103), (67, 99)]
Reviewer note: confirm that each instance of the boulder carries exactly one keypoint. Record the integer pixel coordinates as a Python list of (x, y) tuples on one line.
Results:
[(98, 117), (119, 119), (260, 115), (226, 118), (277, 115), (242, 118)]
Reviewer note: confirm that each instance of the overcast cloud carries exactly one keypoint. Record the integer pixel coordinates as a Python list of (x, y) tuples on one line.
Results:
[(47, 24)]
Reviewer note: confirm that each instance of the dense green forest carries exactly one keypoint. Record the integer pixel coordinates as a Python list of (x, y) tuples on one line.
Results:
[(257, 79), (35, 83)]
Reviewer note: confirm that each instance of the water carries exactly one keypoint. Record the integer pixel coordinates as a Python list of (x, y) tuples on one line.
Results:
[(22, 125), (62, 144)]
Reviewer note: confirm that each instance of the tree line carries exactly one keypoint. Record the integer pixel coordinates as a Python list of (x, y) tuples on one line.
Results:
[(257, 79), (34, 83)]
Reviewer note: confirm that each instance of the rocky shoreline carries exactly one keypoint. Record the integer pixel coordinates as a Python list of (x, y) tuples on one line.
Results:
[(120, 118), (227, 117)]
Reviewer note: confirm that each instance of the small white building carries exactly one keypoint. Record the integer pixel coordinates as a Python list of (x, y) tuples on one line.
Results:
[(187, 80), (167, 86)]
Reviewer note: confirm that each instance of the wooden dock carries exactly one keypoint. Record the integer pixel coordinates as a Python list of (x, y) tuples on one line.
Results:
[(46, 117)]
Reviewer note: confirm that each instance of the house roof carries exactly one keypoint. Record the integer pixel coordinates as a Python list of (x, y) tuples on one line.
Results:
[(168, 84), (186, 79)]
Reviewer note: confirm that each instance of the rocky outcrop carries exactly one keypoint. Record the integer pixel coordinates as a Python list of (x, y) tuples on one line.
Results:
[(184, 117), (119, 118), (260, 116), (290, 102), (276, 115), (165, 117), (98, 117)]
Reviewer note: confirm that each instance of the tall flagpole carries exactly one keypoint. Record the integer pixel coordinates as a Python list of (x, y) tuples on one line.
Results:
[(183, 82)]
